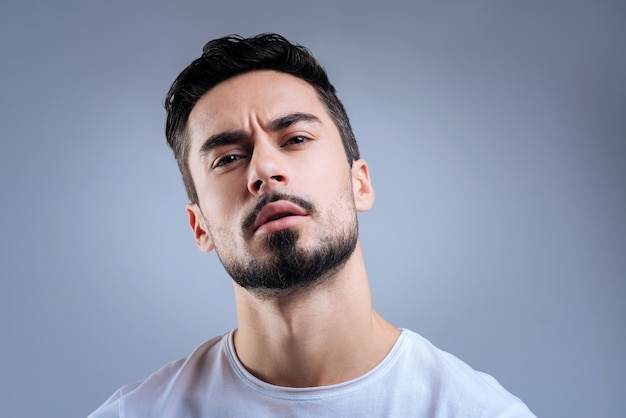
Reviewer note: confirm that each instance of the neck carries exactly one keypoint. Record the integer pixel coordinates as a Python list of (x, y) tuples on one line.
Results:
[(326, 335)]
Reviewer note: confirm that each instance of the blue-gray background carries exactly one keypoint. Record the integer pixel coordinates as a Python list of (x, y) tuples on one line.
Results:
[(496, 137)]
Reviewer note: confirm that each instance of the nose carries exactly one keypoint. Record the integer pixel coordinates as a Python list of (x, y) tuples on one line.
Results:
[(267, 169)]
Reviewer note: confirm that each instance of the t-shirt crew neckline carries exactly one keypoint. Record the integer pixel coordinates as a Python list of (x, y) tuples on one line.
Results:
[(316, 392)]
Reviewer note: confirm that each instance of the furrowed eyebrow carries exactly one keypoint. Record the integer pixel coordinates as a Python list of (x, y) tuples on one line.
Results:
[(288, 120), (223, 138), (232, 137)]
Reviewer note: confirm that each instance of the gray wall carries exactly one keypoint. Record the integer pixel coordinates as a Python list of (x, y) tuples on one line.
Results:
[(496, 137)]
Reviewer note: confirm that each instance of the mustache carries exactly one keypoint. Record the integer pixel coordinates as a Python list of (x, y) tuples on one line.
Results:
[(250, 218)]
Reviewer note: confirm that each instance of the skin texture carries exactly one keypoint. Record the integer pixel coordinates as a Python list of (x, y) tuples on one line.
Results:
[(264, 134)]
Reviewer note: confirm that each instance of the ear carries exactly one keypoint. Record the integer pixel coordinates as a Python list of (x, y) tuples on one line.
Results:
[(362, 186), (198, 226)]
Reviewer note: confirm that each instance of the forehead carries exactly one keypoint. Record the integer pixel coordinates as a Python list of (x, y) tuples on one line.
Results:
[(253, 98)]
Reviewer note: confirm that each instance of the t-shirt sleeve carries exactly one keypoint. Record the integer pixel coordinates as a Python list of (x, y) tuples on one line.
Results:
[(109, 409)]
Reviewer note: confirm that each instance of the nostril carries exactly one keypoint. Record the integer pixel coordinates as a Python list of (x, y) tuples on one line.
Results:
[(273, 181)]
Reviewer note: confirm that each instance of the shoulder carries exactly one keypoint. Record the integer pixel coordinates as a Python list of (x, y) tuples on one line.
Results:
[(454, 384), (141, 397)]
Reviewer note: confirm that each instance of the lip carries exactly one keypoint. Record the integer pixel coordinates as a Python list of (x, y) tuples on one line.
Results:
[(278, 215)]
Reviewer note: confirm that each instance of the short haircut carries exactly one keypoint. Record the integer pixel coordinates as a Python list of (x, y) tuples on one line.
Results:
[(232, 55)]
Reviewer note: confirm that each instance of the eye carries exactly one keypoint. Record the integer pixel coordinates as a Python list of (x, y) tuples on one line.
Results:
[(297, 139), (226, 160)]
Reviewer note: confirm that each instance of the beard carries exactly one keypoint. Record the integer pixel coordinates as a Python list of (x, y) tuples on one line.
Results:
[(290, 268)]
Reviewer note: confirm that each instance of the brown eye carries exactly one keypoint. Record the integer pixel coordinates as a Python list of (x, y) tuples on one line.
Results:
[(227, 160), (298, 139)]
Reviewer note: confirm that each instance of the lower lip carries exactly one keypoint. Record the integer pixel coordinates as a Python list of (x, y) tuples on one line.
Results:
[(280, 224)]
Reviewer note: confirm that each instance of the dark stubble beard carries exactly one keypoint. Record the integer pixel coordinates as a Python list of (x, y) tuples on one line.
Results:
[(289, 268)]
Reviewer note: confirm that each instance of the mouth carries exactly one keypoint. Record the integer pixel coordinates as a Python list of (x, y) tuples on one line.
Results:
[(273, 218), (278, 215)]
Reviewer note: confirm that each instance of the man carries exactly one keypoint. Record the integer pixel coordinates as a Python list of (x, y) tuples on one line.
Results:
[(275, 181)]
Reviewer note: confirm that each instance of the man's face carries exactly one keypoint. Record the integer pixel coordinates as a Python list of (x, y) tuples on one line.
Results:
[(277, 196)]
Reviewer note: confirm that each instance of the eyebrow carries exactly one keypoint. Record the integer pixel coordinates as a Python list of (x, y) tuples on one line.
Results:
[(232, 137), (223, 138), (288, 120)]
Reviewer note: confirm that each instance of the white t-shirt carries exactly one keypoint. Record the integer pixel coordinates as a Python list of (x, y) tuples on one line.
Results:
[(415, 379)]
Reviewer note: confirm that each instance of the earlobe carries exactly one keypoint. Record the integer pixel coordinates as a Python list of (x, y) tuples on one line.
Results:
[(362, 186), (199, 228)]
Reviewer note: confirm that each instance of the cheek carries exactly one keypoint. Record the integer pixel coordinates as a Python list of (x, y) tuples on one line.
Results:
[(329, 168), (335, 193), (334, 172), (222, 205)]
